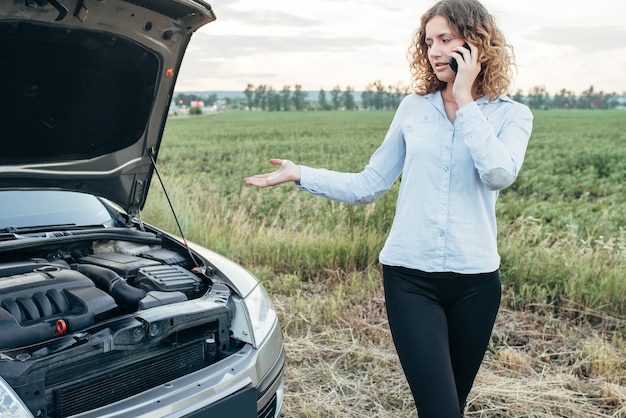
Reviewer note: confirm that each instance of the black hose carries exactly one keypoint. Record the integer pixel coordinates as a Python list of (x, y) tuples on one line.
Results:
[(111, 282)]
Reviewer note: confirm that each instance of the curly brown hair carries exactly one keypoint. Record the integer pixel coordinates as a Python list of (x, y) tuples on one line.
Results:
[(472, 22)]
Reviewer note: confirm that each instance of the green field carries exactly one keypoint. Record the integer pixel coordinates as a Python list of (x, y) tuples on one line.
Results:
[(562, 238), (562, 224)]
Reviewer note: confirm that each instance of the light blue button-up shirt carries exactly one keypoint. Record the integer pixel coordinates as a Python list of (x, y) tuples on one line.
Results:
[(451, 173)]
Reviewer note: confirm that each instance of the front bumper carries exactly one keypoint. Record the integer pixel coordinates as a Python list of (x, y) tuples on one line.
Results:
[(249, 381)]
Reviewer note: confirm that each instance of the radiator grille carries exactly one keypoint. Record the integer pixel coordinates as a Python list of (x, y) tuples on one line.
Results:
[(128, 381)]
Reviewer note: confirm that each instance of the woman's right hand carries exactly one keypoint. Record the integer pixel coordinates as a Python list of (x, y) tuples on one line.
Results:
[(287, 171)]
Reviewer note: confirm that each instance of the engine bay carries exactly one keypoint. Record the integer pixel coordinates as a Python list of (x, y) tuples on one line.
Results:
[(66, 289), (89, 308)]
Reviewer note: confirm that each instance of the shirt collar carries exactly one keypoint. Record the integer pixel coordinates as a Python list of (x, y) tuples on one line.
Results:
[(437, 99)]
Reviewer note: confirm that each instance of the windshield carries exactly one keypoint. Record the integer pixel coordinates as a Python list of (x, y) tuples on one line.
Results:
[(29, 208)]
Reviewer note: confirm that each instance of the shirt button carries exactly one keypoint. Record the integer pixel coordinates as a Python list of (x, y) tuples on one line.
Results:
[(445, 190), (446, 169)]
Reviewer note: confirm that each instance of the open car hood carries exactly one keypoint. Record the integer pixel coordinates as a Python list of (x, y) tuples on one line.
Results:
[(85, 88)]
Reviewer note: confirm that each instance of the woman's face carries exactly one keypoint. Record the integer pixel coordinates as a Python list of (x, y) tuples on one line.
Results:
[(440, 40)]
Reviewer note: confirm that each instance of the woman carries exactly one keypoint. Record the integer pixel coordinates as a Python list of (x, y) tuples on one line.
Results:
[(457, 141)]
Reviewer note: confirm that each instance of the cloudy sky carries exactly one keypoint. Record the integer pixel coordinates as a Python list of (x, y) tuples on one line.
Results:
[(327, 43)]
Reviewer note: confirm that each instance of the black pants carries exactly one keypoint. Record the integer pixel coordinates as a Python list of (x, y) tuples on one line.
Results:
[(441, 324)]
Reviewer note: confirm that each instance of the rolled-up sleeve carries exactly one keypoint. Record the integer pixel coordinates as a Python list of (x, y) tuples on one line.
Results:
[(498, 151)]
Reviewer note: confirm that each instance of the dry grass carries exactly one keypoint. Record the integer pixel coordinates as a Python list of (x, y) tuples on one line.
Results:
[(559, 352), (341, 360)]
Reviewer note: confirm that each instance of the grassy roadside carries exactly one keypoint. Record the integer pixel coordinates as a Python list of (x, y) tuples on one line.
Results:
[(558, 348)]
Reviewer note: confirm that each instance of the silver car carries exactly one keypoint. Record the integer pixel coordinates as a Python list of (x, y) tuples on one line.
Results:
[(101, 314)]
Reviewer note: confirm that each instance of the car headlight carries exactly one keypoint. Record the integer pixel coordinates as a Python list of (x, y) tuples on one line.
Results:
[(255, 316), (11, 406), (262, 315)]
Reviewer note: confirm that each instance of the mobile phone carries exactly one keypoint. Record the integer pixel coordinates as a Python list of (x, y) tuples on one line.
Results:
[(455, 65)]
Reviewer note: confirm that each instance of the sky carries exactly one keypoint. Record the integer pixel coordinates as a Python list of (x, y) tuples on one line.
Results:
[(322, 44)]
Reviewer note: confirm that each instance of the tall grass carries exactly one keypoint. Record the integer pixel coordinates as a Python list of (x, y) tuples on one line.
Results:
[(559, 344), (562, 225)]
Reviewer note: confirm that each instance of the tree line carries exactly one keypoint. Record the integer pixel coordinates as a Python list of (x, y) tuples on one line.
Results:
[(539, 98), (378, 96)]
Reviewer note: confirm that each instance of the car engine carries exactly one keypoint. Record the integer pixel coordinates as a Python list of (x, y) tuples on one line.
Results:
[(78, 313), (41, 299)]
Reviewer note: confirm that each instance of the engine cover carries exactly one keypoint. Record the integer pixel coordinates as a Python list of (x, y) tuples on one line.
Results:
[(46, 302)]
